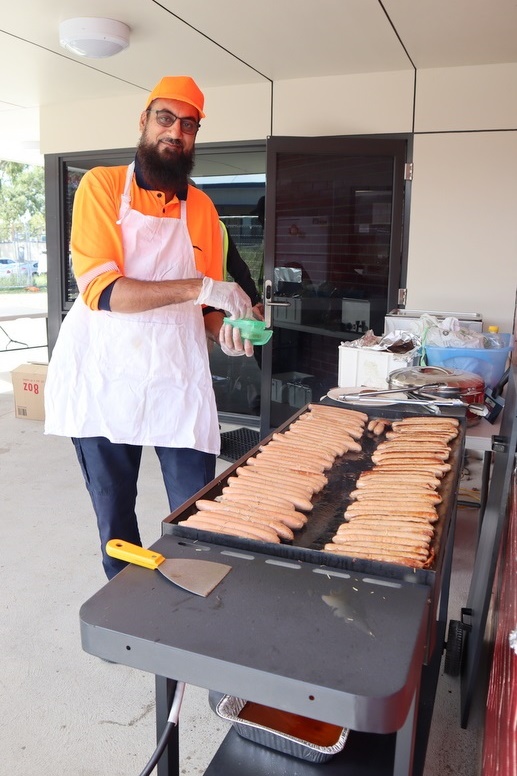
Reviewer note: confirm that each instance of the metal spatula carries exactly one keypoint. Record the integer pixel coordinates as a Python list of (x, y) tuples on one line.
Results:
[(196, 576)]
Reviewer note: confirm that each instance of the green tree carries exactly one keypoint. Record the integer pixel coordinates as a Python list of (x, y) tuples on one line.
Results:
[(22, 201)]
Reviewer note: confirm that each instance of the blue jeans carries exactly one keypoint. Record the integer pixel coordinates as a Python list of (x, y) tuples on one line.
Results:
[(110, 472)]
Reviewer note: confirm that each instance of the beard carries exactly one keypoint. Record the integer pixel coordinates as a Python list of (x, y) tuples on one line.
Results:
[(164, 171)]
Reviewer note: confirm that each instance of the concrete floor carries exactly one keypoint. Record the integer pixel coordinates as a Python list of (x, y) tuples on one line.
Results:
[(65, 711)]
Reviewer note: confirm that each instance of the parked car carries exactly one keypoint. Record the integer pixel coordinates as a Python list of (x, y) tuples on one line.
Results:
[(8, 268), (18, 271)]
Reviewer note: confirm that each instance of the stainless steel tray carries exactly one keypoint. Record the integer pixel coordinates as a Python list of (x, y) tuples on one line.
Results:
[(229, 708)]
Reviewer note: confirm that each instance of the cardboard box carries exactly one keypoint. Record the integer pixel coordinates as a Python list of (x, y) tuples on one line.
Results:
[(28, 387), (370, 368)]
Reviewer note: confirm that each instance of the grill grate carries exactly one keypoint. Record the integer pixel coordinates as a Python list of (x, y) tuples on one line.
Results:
[(236, 443)]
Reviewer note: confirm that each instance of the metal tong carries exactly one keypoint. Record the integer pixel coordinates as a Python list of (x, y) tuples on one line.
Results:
[(369, 394), (433, 405)]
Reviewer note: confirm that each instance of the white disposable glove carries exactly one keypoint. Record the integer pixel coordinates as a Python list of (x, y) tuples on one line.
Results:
[(232, 343), (225, 296)]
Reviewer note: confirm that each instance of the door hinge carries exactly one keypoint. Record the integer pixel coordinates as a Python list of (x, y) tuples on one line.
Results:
[(408, 171), (402, 297)]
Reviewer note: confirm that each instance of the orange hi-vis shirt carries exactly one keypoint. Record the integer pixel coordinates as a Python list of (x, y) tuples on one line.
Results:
[(96, 238)]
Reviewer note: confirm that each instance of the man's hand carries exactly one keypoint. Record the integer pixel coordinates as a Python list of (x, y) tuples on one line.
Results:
[(225, 296), (232, 343)]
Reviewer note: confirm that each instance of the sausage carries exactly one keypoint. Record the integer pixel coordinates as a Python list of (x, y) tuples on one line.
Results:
[(421, 432), (379, 427), (276, 452), (294, 448), (360, 510), (288, 516), (373, 542), (290, 447), (410, 504), (405, 457), (279, 509), (396, 495), (329, 443), (413, 434), (432, 469), (220, 522), (300, 500), (340, 442), (423, 420), (200, 521), (319, 409), (283, 511), (297, 442), (392, 524), (363, 510), (386, 557), (261, 492), (418, 545), (406, 440), (244, 512), (396, 482), (333, 427), (316, 479), (423, 448), (353, 430), (284, 480), (290, 463), (394, 472), (393, 495), (394, 530)]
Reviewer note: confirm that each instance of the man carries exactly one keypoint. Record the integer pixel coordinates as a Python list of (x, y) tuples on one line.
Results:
[(130, 367)]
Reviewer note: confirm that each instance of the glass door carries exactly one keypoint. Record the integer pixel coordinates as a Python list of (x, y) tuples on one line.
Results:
[(333, 257)]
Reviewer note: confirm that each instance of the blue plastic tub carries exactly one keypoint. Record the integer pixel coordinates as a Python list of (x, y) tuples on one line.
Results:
[(488, 363)]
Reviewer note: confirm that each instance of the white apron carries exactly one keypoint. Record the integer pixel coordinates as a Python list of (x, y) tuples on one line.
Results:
[(139, 378)]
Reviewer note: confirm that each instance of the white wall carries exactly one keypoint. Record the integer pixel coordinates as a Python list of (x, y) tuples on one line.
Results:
[(463, 227), (368, 103), (463, 237), (233, 113)]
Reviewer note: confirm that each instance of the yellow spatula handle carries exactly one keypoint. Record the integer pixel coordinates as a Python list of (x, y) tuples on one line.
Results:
[(132, 553)]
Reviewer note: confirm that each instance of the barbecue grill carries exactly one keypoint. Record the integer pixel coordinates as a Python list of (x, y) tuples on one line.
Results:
[(329, 506), (338, 639)]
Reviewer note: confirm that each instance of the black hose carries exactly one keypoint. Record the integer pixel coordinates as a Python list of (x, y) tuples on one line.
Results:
[(160, 748)]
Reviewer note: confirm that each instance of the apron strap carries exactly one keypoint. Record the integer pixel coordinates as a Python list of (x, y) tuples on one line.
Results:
[(125, 199)]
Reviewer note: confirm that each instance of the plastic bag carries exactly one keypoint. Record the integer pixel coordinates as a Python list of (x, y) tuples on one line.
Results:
[(448, 333)]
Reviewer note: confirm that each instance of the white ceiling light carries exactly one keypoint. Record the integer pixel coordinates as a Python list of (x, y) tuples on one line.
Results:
[(94, 38)]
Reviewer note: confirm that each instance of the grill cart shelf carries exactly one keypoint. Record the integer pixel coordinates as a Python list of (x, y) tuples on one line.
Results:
[(354, 645)]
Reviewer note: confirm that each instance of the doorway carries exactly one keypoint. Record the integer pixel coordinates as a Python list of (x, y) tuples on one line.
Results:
[(333, 259)]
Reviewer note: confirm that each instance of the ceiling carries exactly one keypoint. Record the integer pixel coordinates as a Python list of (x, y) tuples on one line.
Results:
[(231, 42)]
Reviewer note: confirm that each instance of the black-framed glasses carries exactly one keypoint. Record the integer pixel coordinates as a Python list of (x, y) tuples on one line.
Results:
[(166, 118)]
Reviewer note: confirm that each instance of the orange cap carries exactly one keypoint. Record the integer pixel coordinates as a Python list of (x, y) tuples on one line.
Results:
[(179, 87)]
